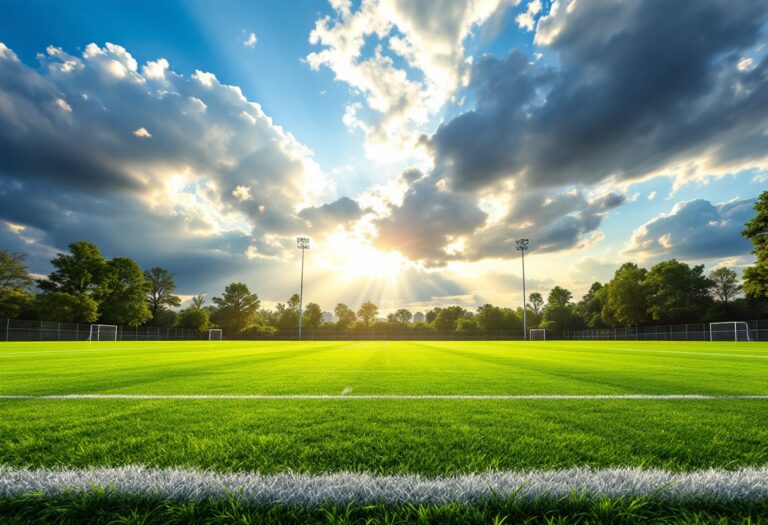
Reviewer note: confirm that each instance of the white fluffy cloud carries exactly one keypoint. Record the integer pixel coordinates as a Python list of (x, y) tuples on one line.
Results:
[(429, 37), (209, 176)]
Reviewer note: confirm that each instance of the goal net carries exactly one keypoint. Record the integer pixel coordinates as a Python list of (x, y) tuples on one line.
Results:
[(537, 334), (103, 332), (214, 334), (729, 331)]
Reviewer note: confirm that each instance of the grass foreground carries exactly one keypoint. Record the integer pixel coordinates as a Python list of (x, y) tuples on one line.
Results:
[(430, 437)]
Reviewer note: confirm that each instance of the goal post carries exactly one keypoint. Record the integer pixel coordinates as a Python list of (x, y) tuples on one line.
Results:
[(537, 334), (214, 334), (729, 331), (103, 332)]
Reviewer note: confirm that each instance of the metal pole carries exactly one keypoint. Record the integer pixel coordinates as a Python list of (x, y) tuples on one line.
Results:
[(525, 319), (301, 290)]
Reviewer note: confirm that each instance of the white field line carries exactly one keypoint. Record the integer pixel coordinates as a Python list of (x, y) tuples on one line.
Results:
[(346, 487), (361, 397)]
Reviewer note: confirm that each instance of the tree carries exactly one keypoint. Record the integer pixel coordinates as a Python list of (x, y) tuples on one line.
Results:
[(313, 316), (165, 318), (558, 314), (591, 306), (536, 303), (466, 325), (447, 317), (419, 317), (293, 302), (367, 312), (346, 317), (14, 281), (626, 300), (194, 319), (489, 318), (677, 293), (83, 271), (160, 290), (756, 277), (402, 316), (432, 314), (724, 284), (236, 308), (66, 307), (198, 302), (125, 301)]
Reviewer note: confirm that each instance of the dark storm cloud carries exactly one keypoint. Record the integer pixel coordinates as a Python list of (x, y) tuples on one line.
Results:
[(695, 230), (639, 86)]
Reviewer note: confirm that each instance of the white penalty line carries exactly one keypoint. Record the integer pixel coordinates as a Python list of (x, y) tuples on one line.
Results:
[(361, 397), (347, 487)]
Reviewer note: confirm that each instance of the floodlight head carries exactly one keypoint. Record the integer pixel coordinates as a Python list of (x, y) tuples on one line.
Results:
[(302, 243), (522, 244)]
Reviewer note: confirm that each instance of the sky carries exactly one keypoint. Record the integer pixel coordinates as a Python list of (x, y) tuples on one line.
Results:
[(413, 142)]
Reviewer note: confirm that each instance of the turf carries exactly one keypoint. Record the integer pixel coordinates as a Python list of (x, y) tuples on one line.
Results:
[(428, 437)]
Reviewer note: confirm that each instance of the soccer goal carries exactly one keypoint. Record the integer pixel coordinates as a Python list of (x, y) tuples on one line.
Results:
[(729, 331), (214, 334), (103, 332), (537, 334)]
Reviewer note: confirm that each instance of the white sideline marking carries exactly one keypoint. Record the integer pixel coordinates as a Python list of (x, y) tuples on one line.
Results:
[(746, 484), (386, 396)]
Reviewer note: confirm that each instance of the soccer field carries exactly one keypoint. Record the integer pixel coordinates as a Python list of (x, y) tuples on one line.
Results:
[(384, 408)]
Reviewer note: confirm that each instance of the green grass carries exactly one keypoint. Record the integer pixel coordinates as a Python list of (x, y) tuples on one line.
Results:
[(430, 437), (385, 436), (102, 508)]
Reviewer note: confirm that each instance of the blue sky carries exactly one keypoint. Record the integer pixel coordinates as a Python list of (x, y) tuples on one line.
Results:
[(413, 141)]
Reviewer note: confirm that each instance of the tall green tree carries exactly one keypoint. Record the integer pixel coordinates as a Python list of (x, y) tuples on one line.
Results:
[(194, 319), (489, 318), (756, 276), (236, 309), (82, 271), (724, 284), (67, 307), (14, 283), (677, 292), (198, 302), (590, 307), (626, 301), (125, 301), (345, 316), (403, 316), (559, 313), (559, 297), (536, 303), (367, 313), (312, 317), (160, 288), (448, 317)]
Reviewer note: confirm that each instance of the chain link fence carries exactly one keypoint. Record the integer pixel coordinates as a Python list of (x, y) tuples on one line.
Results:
[(756, 330), (20, 330)]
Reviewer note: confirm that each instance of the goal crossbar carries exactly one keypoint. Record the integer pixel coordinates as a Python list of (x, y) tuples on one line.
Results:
[(103, 332), (214, 334), (738, 326), (537, 334)]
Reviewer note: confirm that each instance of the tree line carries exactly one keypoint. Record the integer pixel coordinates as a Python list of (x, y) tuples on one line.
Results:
[(86, 287)]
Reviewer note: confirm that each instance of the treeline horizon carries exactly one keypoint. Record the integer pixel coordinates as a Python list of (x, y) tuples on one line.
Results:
[(88, 288)]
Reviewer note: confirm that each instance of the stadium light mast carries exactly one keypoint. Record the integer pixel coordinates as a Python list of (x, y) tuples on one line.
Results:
[(302, 243), (522, 245)]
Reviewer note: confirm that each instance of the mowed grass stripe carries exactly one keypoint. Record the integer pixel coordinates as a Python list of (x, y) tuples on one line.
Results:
[(371, 368)]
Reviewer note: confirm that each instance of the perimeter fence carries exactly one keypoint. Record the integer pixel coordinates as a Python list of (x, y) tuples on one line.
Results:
[(19, 330), (757, 330)]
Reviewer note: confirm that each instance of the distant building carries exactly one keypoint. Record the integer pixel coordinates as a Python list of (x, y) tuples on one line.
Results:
[(328, 317), (418, 317)]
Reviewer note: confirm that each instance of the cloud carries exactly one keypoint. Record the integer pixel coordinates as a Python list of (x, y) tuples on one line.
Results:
[(343, 211), (695, 230), (250, 40), (399, 99), (527, 19), (636, 90), (71, 166)]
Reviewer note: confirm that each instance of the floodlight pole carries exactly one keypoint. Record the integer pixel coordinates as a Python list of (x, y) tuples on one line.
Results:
[(303, 244), (522, 245)]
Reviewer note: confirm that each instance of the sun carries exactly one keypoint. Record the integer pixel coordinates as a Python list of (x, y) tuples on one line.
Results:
[(353, 258)]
